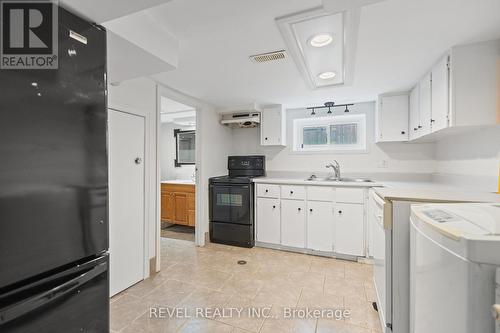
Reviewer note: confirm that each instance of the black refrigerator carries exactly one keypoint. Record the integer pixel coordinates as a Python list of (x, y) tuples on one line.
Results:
[(54, 189)]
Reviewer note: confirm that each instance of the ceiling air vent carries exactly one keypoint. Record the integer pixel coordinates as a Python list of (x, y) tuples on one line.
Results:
[(271, 56)]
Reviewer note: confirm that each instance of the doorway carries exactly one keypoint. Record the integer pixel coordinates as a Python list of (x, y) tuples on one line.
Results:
[(177, 154), (126, 199)]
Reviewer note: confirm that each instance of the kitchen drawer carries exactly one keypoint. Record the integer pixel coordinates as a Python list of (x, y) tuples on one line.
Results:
[(321, 193), (350, 195), (293, 192), (268, 191)]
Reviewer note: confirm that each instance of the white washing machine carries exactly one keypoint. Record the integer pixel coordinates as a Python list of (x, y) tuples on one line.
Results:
[(455, 251)]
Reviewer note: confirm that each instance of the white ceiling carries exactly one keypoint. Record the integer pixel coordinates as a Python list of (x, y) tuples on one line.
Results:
[(398, 42)]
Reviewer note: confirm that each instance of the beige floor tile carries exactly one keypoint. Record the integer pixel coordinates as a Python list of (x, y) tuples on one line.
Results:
[(125, 310), (308, 280), (205, 326), (333, 326), (252, 314), (344, 287), (271, 325), (148, 324), (243, 284), (169, 294), (204, 298), (209, 277), (362, 313), (318, 300)]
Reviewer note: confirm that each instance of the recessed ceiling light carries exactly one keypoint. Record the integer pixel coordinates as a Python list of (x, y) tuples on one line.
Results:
[(321, 40), (327, 75)]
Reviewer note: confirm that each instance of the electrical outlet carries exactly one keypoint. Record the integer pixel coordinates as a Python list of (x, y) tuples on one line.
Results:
[(383, 164)]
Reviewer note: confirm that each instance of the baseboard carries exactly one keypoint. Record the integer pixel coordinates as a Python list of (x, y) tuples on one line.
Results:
[(152, 266)]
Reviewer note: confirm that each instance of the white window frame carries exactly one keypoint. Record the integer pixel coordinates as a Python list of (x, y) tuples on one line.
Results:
[(301, 123)]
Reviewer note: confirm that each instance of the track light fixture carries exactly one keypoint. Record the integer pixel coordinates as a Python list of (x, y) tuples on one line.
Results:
[(329, 106)]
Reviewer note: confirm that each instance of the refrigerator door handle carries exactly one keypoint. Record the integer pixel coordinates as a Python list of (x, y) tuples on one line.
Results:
[(18, 309)]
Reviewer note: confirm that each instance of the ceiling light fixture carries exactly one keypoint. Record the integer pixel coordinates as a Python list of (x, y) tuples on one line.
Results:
[(313, 113), (327, 75), (321, 40), (346, 109)]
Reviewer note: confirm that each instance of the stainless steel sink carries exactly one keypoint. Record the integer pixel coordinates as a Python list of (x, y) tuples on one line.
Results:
[(353, 180)]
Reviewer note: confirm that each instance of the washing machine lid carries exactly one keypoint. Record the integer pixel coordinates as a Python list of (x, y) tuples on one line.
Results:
[(464, 220)]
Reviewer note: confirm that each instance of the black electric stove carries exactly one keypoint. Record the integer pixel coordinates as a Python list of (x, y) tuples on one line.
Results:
[(232, 201)]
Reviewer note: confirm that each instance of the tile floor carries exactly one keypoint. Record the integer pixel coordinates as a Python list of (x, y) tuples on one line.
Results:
[(175, 231), (209, 277)]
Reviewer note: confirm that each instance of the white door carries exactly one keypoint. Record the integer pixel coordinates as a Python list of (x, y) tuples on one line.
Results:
[(393, 118), (425, 104), (349, 220), (126, 199), (320, 224), (414, 113), (268, 220), (440, 96), (293, 223)]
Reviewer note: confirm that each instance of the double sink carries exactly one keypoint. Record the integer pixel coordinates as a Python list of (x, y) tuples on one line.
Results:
[(329, 179)]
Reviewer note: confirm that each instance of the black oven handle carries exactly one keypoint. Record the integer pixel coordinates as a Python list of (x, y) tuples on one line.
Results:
[(34, 302)]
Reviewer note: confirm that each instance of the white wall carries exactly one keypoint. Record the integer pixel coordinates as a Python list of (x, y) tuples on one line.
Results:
[(167, 154), (400, 157), (472, 157), (138, 96)]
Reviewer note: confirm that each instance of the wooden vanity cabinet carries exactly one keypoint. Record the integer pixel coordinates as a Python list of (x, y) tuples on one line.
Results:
[(178, 204)]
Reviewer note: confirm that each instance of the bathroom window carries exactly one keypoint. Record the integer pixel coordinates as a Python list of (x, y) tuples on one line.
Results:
[(337, 133), (185, 142)]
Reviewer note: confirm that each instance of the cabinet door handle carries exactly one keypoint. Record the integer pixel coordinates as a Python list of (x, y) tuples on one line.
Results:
[(419, 126), (267, 191), (274, 207), (433, 120), (340, 212), (403, 132), (310, 209), (415, 129), (265, 138), (299, 209), (291, 192)]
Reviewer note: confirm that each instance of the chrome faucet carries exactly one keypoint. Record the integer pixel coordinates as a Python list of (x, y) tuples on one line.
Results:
[(336, 169)]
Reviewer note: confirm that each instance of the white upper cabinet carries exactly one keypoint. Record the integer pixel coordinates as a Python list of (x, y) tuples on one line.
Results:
[(440, 95), (459, 91), (273, 126), (424, 90), (414, 128), (474, 84), (392, 117)]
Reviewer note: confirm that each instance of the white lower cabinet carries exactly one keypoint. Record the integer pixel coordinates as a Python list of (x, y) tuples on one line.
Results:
[(269, 226), (349, 229), (320, 223), (293, 222), (325, 219)]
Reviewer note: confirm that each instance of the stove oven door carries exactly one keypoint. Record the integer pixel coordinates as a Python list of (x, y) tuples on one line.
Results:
[(231, 203)]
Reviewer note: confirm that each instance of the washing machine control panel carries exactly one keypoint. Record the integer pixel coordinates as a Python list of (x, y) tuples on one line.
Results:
[(440, 215)]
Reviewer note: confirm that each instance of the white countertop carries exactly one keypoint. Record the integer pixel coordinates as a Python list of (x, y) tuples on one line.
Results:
[(179, 182), (298, 181), (430, 192), (400, 190)]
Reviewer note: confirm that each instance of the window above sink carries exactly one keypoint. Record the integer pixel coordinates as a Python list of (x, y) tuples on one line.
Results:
[(334, 133)]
